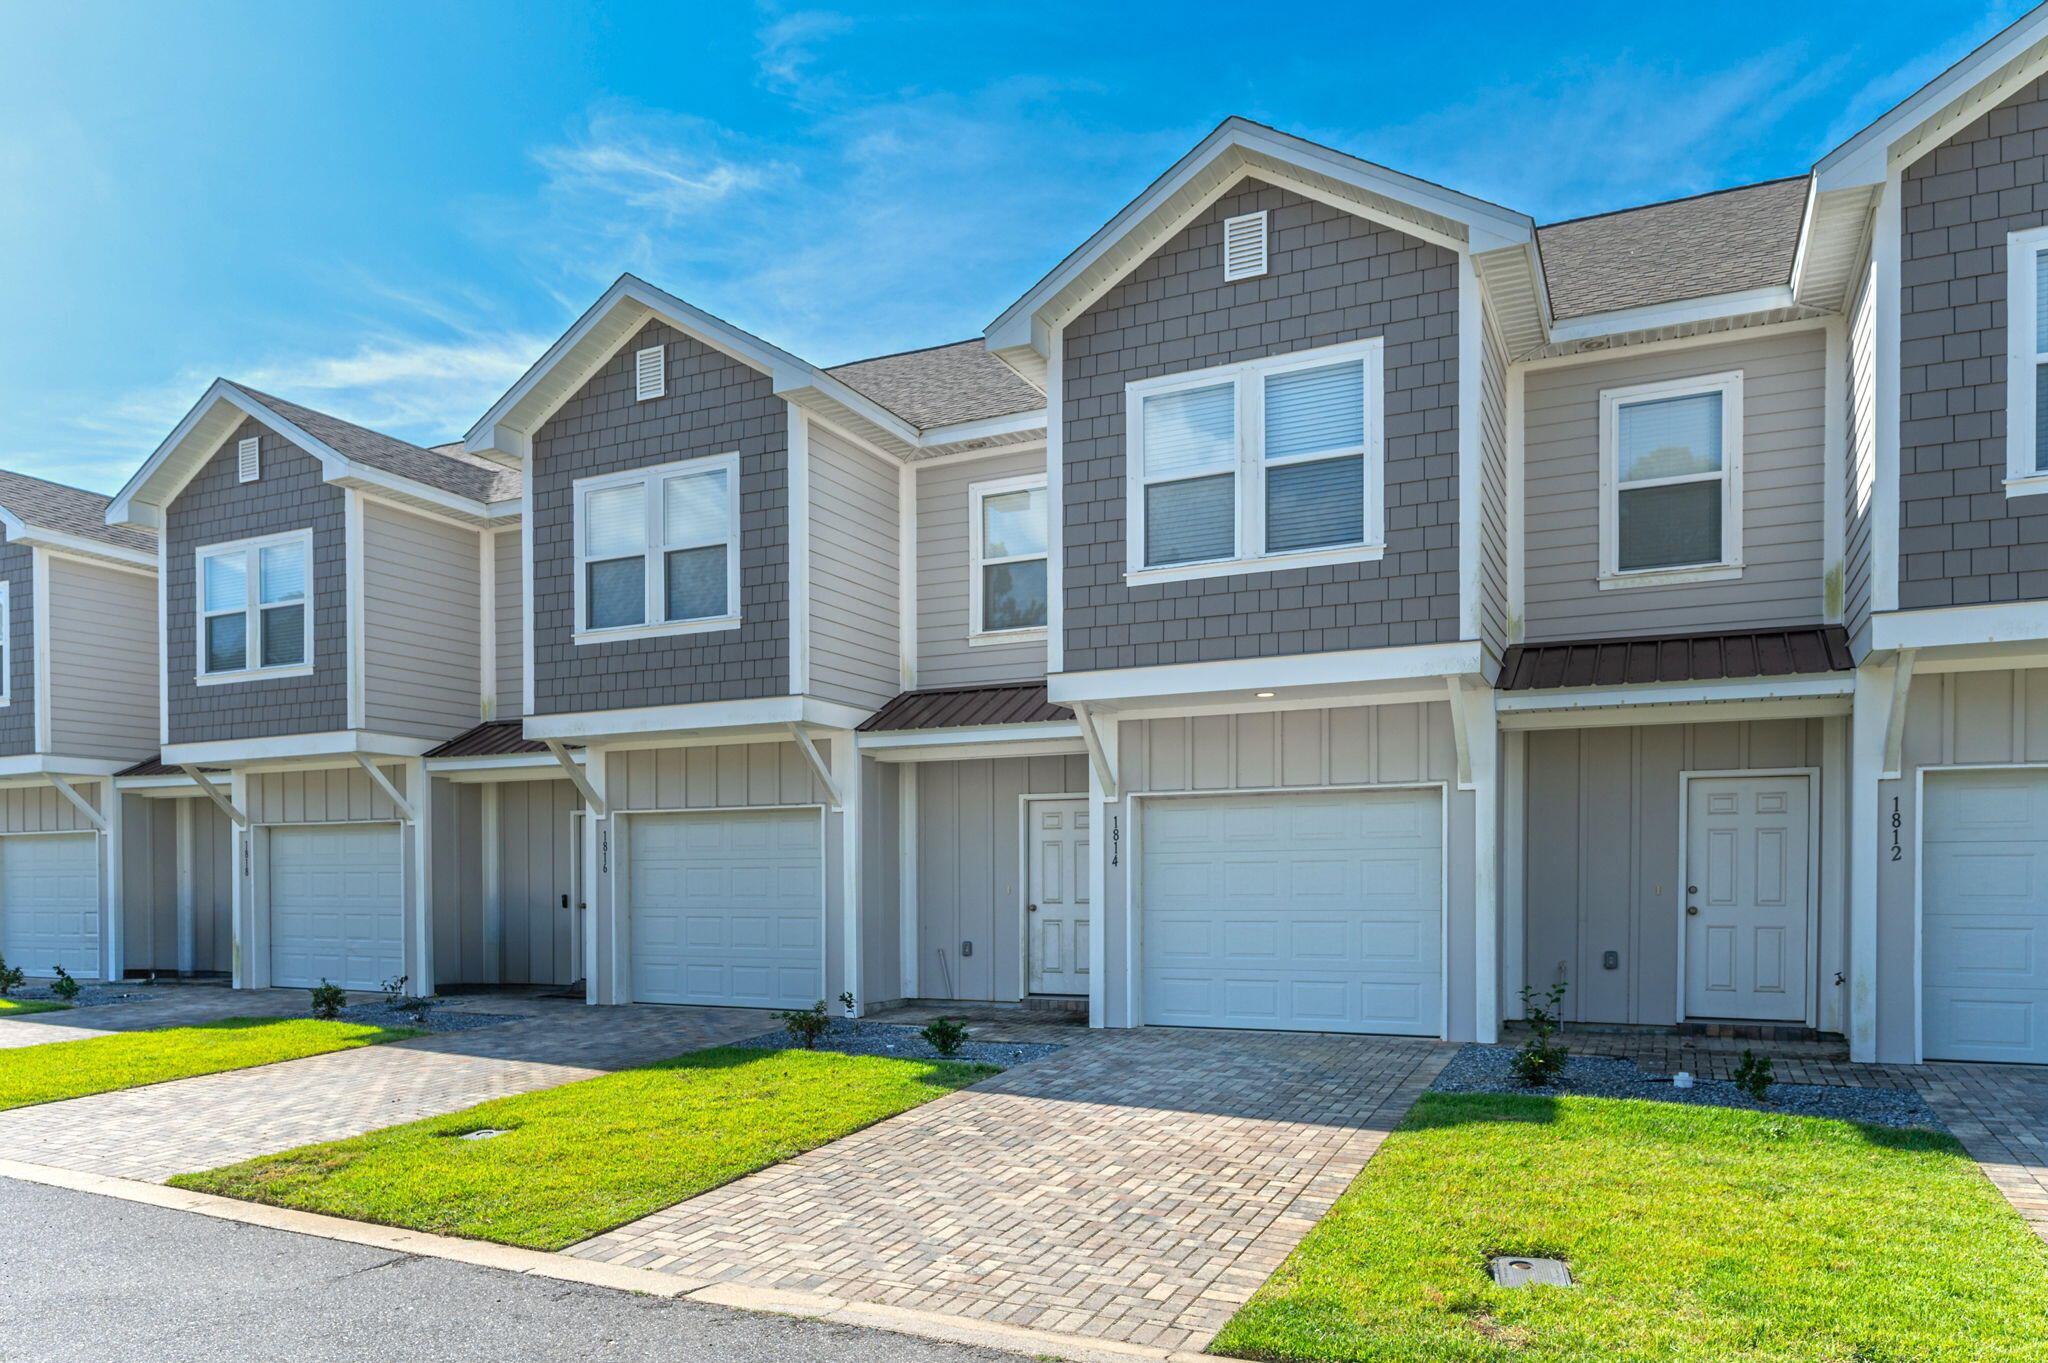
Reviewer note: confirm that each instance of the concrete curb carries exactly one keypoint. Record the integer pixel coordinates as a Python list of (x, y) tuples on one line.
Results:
[(562, 1268)]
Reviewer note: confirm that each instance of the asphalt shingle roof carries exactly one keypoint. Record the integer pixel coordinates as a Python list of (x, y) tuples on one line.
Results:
[(1686, 248), (72, 510), (942, 385), (445, 467)]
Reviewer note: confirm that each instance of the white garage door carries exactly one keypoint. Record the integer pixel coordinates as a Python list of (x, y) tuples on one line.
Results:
[(50, 902), (728, 908), (1984, 912), (337, 905), (1296, 912)]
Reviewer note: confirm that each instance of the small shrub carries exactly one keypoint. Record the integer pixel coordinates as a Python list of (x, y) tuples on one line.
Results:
[(1540, 1059), (846, 1002), (394, 991), (1753, 1075), (944, 1036), (806, 1026), (65, 987), (329, 999), (415, 1008), (11, 977)]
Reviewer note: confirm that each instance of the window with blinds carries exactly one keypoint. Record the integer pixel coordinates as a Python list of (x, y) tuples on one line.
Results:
[(657, 549), (1010, 531), (252, 605), (1670, 469), (2026, 362), (1269, 460)]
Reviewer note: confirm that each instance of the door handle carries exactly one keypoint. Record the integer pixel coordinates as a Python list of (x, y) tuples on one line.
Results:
[(1031, 908), (1692, 910)]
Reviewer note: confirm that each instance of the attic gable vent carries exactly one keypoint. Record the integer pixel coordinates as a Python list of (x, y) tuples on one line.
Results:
[(248, 465), (650, 373), (1244, 246)]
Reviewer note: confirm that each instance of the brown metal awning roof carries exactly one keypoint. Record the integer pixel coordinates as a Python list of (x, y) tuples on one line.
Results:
[(1677, 658), (966, 707), (496, 738), (154, 766)]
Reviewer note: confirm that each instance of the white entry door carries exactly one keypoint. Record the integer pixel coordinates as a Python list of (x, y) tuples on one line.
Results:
[(1984, 913), (1057, 916), (1314, 912), (1747, 871), (50, 902), (337, 905), (728, 908)]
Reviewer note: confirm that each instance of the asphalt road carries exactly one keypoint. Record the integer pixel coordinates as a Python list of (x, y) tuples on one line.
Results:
[(93, 1278)]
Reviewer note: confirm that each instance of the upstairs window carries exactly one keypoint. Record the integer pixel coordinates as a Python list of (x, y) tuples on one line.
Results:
[(6, 647), (1009, 530), (252, 606), (1271, 464), (2026, 362), (1671, 481), (656, 550)]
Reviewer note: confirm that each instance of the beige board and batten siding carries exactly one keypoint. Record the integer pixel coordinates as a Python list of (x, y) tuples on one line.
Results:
[(1346, 747), (509, 599), (40, 809), (328, 795), (422, 633), (1602, 816), (527, 935), (854, 653), (1862, 471), (881, 892), (970, 819), (944, 563), (1953, 720), (1783, 397), (150, 870), (462, 952), (103, 700)]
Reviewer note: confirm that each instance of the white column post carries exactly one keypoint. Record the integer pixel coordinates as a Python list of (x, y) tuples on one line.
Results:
[(906, 874), (492, 853), (1869, 725), (846, 774), (113, 892), (249, 971), (1102, 803), (419, 789), (188, 889), (1482, 741)]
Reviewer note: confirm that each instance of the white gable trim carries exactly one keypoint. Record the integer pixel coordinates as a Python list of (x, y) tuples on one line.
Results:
[(506, 430), (1234, 150), (1952, 100)]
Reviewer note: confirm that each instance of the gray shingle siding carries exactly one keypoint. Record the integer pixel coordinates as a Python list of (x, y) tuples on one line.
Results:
[(1334, 278), (18, 716), (1962, 542), (714, 405), (215, 508)]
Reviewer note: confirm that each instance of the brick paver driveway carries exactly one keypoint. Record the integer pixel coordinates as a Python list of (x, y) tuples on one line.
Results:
[(188, 1125), (1137, 1186)]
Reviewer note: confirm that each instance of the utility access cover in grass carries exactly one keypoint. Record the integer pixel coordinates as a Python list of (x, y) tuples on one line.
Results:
[(1695, 1235)]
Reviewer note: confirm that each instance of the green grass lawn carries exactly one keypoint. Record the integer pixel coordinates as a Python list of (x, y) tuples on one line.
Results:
[(588, 1156), (101, 1064), (1698, 1234), (21, 1008)]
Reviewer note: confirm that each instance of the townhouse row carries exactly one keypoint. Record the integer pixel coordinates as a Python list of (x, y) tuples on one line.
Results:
[(1326, 601)]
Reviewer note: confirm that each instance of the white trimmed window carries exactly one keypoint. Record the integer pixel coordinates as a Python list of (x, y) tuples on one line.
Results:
[(657, 550), (1008, 531), (1276, 463), (1671, 481), (253, 607), (2026, 362), (6, 646)]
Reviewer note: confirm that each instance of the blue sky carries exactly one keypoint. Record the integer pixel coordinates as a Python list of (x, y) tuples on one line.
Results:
[(387, 210)]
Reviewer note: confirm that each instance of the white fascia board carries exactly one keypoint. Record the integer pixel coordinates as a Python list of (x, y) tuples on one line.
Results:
[(504, 431), (1865, 158), (2018, 622), (1679, 693), (703, 719), (78, 546), (334, 747), (1279, 675), (981, 752), (984, 429), (1063, 730), (1677, 712), (42, 764), (1711, 308), (1488, 226)]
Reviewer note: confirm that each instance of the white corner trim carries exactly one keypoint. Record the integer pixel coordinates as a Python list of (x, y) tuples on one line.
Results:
[(39, 631), (798, 473)]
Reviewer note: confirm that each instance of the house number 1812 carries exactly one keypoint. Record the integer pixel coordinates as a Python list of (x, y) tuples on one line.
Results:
[(1898, 852)]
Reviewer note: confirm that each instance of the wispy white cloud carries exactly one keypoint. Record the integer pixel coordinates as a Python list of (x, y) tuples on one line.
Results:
[(789, 50)]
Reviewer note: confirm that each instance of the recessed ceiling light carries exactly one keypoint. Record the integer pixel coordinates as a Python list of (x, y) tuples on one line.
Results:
[(1263, 695)]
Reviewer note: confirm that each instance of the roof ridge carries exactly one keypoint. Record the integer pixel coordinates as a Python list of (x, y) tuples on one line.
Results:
[(896, 354), (1683, 198)]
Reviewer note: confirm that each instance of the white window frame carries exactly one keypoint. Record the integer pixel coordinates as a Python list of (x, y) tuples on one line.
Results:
[(655, 550), (1249, 378), (978, 493), (1612, 400), (2026, 472), (252, 609), (6, 645)]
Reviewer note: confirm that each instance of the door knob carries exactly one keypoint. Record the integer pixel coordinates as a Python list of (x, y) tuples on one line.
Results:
[(1031, 908), (1692, 910)]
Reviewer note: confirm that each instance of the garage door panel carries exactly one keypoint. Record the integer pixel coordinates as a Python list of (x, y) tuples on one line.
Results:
[(50, 902), (728, 908), (1984, 916), (337, 905), (1316, 912)]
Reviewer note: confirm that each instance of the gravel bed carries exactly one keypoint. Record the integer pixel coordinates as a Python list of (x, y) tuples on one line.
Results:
[(1487, 1069), (888, 1038), (438, 1019), (89, 996)]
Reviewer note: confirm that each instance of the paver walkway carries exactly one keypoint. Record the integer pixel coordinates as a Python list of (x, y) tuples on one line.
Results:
[(161, 1005), (1138, 1186), (188, 1125)]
